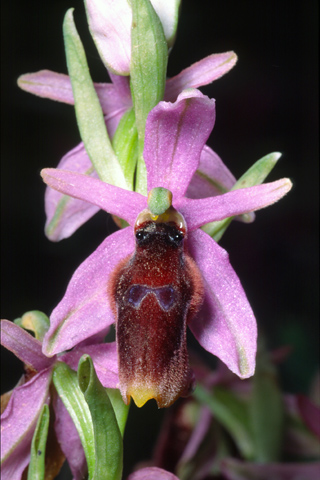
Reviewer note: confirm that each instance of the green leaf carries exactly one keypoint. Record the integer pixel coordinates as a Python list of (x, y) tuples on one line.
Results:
[(107, 436), (232, 413), (89, 114), (256, 175), (125, 144), (36, 322), (266, 411), (148, 69), (36, 470), (66, 383)]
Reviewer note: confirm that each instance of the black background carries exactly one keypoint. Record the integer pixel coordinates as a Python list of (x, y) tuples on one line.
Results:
[(268, 102)]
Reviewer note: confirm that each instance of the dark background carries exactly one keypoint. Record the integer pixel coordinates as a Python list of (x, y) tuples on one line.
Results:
[(268, 102)]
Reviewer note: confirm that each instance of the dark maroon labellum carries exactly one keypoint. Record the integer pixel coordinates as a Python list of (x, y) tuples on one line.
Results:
[(155, 293)]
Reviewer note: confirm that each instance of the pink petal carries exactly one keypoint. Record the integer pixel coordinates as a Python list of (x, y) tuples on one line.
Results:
[(234, 469), (205, 210), (175, 136), (114, 97), (152, 473), (226, 325), (85, 309), (18, 423), (200, 73), (48, 84), (115, 200), (95, 339), (66, 214), (211, 178), (23, 345), (69, 440), (122, 86), (110, 27), (104, 357), (14, 465)]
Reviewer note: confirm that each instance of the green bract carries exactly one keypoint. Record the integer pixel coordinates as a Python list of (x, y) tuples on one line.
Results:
[(35, 321), (88, 110), (125, 145), (121, 410), (36, 470), (149, 57), (267, 411), (256, 174), (65, 381), (107, 436), (232, 413)]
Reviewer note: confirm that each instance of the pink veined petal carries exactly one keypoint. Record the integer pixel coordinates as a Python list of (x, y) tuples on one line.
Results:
[(175, 136), (200, 73), (69, 440), (23, 345), (233, 469), (211, 178), (152, 473), (110, 27), (85, 309), (64, 213), (104, 357), (201, 211), (18, 423), (115, 200), (225, 325)]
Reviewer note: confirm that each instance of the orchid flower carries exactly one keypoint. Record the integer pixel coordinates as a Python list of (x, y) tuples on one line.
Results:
[(113, 40), (225, 324), (20, 416)]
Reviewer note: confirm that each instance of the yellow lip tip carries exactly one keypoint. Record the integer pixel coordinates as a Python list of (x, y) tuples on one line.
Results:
[(142, 395)]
